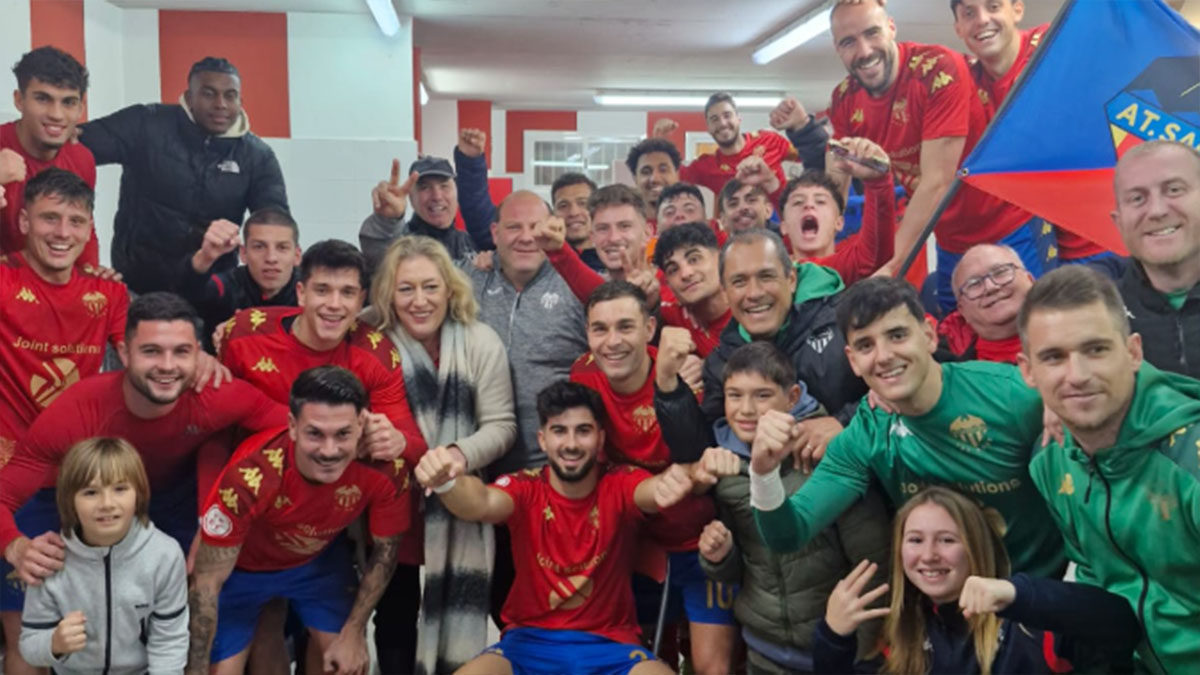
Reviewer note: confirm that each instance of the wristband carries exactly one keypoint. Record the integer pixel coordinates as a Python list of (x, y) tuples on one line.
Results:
[(766, 490), (445, 487)]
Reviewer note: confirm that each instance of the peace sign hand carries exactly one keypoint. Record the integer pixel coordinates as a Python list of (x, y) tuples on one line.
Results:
[(390, 197)]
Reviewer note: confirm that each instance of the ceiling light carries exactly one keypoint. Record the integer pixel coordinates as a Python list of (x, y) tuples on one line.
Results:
[(806, 28), (654, 100), (424, 94), (385, 16)]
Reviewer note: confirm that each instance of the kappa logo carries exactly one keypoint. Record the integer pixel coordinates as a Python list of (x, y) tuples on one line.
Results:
[(215, 523), (27, 295), (257, 318), (265, 365), (1067, 487), (821, 340), (1162, 102), (550, 300), (899, 430)]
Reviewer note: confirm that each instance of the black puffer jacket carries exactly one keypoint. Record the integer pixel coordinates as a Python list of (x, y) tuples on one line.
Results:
[(1170, 337), (177, 179)]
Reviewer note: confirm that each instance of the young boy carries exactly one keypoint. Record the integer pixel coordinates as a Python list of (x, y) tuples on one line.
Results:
[(120, 602), (782, 595)]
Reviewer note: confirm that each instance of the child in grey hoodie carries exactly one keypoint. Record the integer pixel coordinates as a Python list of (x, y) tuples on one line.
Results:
[(119, 604)]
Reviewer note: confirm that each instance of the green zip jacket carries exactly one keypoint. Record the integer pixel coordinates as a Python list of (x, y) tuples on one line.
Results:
[(1130, 514), (977, 439)]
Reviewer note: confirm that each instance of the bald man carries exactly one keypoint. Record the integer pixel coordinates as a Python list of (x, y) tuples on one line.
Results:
[(989, 283), (1157, 188)]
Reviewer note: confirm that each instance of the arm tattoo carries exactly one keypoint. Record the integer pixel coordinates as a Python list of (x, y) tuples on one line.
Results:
[(213, 566), (380, 567)]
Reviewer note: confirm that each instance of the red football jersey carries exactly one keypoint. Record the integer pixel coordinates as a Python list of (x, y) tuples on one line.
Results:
[(170, 445), (706, 337), (73, 157), (993, 91), (281, 519), (714, 170), (632, 433), (931, 98), (574, 557), (51, 336)]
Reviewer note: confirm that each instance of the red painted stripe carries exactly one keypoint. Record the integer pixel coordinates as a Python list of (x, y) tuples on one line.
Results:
[(477, 115), (58, 23), (517, 122), (255, 42), (688, 121)]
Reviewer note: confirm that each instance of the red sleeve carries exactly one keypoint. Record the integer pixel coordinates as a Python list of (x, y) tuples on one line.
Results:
[(837, 109), (874, 244), (517, 486), (35, 462), (211, 458), (628, 479), (246, 484), (579, 277), (947, 98), (255, 410), (116, 317), (390, 513)]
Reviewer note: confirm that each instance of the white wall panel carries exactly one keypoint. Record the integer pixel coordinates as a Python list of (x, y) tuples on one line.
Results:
[(439, 128), (14, 41)]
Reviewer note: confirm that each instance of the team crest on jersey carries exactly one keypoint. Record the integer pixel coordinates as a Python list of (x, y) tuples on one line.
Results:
[(229, 499), (215, 523), (26, 295), (900, 111), (643, 418), (821, 340), (265, 365), (1067, 487), (550, 300), (571, 593), (347, 496), (504, 481), (1164, 504), (257, 318), (95, 303), (725, 168), (970, 430), (252, 477), (57, 374)]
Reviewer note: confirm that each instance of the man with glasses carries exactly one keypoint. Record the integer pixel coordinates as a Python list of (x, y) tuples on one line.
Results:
[(990, 283)]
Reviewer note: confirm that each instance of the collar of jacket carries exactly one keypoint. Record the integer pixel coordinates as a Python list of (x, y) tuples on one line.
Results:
[(244, 277), (725, 437), (417, 225), (240, 128), (1149, 296), (135, 539)]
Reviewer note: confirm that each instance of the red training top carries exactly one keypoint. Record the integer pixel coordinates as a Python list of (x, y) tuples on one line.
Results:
[(574, 557), (864, 252), (73, 157), (714, 170), (282, 520)]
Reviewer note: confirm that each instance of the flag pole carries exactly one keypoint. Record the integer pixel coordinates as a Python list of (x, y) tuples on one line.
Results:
[(924, 236)]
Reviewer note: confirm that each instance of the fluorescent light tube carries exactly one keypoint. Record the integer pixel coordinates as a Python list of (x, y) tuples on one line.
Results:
[(651, 100), (385, 16), (424, 94), (793, 36)]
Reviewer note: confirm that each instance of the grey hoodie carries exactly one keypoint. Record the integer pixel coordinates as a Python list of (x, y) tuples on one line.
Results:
[(134, 596)]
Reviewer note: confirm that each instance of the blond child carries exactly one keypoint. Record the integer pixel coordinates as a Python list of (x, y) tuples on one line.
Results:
[(119, 605)]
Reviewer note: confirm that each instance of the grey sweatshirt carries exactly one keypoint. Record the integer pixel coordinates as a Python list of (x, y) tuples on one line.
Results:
[(542, 326), (139, 584)]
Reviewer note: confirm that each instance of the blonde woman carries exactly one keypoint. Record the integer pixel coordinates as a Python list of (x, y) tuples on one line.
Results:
[(953, 610), (460, 390)]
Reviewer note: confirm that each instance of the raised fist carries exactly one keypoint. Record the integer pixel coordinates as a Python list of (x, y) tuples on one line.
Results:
[(220, 238), (674, 346), (673, 485), (774, 439), (664, 128), (789, 114), (472, 142), (714, 464), (716, 541), (438, 466), (12, 166)]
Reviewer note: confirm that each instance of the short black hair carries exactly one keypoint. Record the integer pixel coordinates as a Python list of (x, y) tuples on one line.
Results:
[(331, 385), (761, 357), (616, 195), (272, 215), (332, 254), (160, 306), (867, 300), (1072, 287), (561, 396), (812, 178), (62, 184), (733, 185), (615, 290), (567, 180), (684, 236), (681, 188), (652, 145), (212, 64), (719, 97), (753, 235), (52, 66)]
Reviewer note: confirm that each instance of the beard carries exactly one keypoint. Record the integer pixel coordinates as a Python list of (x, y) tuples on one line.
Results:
[(139, 384), (573, 476)]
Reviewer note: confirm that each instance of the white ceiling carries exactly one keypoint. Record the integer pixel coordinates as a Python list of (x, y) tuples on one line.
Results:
[(557, 53)]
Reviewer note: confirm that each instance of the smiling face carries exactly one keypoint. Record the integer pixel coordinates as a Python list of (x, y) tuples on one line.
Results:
[(105, 512), (748, 396), (618, 332), (989, 27), (330, 300), (48, 114), (934, 554), (520, 255), (270, 254), (747, 208), (326, 438), (616, 229), (1083, 365), (997, 304), (160, 359), (655, 171), (56, 230), (1158, 206), (811, 220), (894, 355), (572, 441), (570, 204), (865, 38), (758, 286), (422, 298), (683, 208), (215, 100), (724, 123), (692, 274), (435, 199)]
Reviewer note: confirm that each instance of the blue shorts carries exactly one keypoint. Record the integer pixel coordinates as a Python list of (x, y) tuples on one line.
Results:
[(320, 592), (537, 651), (701, 599), (38, 516), (1034, 242)]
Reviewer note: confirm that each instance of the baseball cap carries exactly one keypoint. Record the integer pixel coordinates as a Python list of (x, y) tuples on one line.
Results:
[(432, 166)]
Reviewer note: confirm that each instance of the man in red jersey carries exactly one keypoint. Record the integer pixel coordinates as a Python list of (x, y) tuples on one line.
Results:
[(917, 102), (270, 527), (744, 206), (181, 435), (51, 86), (621, 367), (1002, 50), (754, 157), (575, 527), (687, 255), (54, 320)]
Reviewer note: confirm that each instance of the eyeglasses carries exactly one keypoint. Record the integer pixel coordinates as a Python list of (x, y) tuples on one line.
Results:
[(1000, 275)]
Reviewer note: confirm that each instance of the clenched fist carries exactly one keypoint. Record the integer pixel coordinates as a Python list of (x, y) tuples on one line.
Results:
[(220, 238), (439, 466), (981, 595), (12, 166), (775, 438), (664, 128), (789, 114), (673, 485), (714, 464), (70, 635), (716, 541), (472, 142), (674, 346)]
